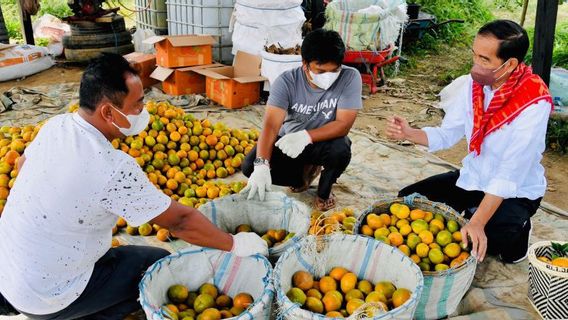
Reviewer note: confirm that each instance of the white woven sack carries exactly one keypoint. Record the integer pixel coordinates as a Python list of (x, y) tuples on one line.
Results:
[(273, 65), (443, 290), (34, 59), (261, 22), (548, 284), (277, 211), (194, 267), (368, 258)]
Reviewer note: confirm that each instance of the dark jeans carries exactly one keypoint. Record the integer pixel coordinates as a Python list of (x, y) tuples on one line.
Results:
[(505, 230), (334, 155), (112, 291)]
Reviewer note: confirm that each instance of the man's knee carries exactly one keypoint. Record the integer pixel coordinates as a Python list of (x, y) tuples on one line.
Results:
[(340, 152)]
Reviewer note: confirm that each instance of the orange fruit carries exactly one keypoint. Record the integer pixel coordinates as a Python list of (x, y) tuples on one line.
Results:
[(395, 239), (366, 230), (365, 286), (303, 280), (457, 236), (354, 294), (376, 296), (400, 296), (314, 293), (327, 284), (426, 236), (11, 157), (374, 221), (438, 223), (422, 250), (417, 214), (163, 235), (405, 249), (334, 314), (348, 282), (452, 250), (386, 219), (386, 288), (560, 262), (353, 305), (314, 305), (332, 300), (4, 192), (337, 273), (242, 300), (211, 140)]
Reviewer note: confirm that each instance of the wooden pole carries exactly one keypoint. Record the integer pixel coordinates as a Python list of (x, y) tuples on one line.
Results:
[(543, 45), (524, 14), (27, 29)]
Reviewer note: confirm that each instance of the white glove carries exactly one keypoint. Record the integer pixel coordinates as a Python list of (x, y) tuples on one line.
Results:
[(293, 144), (247, 244), (259, 181)]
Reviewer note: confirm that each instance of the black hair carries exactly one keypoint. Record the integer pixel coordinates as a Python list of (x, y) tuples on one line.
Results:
[(105, 78), (323, 46), (514, 41)]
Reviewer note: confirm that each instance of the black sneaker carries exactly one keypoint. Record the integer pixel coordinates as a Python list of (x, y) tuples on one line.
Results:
[(519, 252)]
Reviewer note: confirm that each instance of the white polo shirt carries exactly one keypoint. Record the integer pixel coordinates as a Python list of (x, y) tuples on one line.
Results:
[(58, 219), (509, 163)]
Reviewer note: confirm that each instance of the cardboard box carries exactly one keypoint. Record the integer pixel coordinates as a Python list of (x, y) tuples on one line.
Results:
[(183, 80), (145, 64), (182, 51), (236, 86)]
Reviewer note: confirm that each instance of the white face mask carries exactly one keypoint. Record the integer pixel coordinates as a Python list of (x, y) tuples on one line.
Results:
[(324, 80), (137, 122)]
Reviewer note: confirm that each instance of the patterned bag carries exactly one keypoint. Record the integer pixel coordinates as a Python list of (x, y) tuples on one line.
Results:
[(548, 284)]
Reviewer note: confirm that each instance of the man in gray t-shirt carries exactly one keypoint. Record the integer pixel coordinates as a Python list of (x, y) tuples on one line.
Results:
[(309, 113)]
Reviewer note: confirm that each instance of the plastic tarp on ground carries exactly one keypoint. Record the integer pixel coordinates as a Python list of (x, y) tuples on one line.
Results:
[(379, 168)]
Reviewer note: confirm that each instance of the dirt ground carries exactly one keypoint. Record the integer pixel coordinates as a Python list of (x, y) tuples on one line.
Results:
[(412, 95)]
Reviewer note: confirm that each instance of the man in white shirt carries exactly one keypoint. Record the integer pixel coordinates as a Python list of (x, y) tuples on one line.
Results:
[(71, 189), (503, 112)]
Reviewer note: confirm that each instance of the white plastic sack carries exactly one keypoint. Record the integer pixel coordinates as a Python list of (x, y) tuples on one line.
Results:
[(23, 60), (50, 27), (277, 211), (273, 65), (260, 22), (368, 258), (559, 88), (139, 36), (194, 267)]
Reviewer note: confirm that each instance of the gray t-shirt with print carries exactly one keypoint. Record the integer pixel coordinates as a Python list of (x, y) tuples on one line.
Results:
[(308, 108)]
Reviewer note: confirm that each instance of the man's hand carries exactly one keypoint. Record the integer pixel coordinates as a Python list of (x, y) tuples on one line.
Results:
[(476, 232), (398, 128), (259, 181), (247, 244), (293, 144)]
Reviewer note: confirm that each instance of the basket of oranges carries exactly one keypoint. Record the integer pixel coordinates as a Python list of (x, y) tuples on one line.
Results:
[(346, 276), (429, 233), (548, 278), (207, 284), (280, 220)]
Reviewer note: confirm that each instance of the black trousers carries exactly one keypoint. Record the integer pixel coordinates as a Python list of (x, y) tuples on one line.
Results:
[(505, 230), (334, 155), (112, 291)]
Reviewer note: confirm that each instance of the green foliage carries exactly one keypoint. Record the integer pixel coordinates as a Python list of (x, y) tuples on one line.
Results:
[(474, 12), (58, 8), (560, 250), (557, 135)]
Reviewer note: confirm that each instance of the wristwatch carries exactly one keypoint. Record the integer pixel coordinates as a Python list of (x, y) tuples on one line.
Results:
[(258, 161)]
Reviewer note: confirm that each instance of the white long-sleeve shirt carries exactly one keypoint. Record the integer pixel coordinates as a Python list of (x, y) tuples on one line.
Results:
[(509, 163)]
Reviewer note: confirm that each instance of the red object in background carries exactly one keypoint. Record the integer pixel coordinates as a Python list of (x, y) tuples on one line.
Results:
[(373, 61)]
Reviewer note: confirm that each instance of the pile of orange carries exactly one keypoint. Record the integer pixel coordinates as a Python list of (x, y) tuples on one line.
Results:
[(13, 142), (179, 153), (340, 294), (430, 240), (342, 220), (208, 303)]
